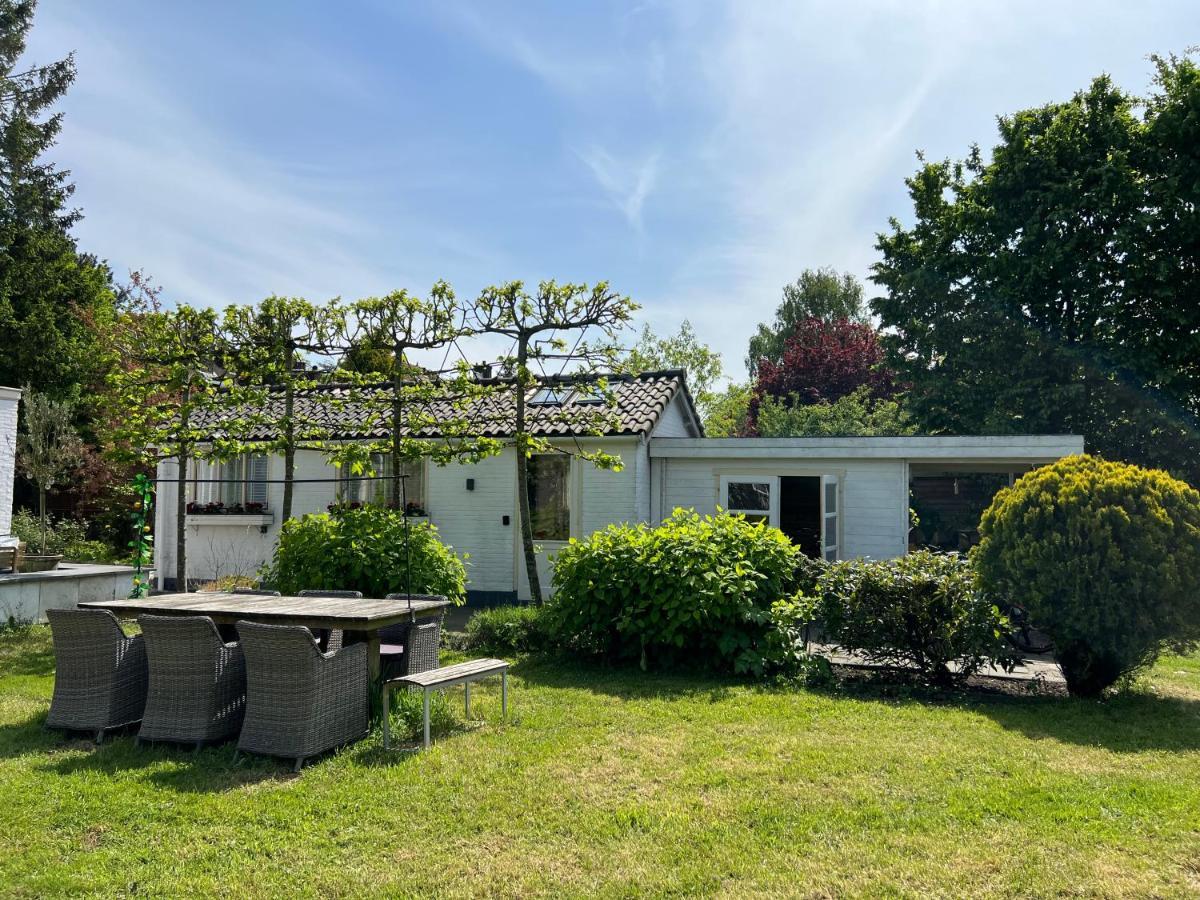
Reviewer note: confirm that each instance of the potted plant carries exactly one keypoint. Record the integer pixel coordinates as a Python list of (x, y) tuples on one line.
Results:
[(48, 451)]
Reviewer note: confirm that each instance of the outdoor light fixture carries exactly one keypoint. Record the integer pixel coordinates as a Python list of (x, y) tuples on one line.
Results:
[(470, 484), (504, 519)]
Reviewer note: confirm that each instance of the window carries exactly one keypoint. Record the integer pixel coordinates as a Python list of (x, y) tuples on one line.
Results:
[(375, 485), (238, 482), (590, 395), (548, 396), (549, 504), (754, 496)]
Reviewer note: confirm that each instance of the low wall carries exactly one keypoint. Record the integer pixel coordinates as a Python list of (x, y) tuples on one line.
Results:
[(25, 597)]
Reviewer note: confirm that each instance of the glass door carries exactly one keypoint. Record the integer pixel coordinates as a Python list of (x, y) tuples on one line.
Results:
[(829, 517)]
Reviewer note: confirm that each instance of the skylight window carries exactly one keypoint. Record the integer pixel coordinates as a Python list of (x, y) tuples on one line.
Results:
[(590, 395), (548, 396)]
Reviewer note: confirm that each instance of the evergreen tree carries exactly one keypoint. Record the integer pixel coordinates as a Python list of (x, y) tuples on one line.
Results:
[(47, 288)]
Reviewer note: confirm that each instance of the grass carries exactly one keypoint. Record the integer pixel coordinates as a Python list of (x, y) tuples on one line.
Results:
[(613, 782)]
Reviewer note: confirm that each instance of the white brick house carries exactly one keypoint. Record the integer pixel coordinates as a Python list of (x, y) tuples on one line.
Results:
[(837, 497)]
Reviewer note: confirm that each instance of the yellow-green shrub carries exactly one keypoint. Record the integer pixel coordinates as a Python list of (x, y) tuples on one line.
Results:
[(370, 550), (1106, 559), (695, 590)]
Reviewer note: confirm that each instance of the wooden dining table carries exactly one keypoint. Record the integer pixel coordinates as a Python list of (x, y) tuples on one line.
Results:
[(358, 619)]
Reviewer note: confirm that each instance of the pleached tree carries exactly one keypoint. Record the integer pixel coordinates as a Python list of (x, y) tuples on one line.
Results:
[(573, 327)]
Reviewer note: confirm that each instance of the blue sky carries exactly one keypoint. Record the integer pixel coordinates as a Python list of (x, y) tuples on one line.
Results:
[(697, 154)]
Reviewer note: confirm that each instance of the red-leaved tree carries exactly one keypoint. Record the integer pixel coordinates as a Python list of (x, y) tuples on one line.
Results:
[(822, 362)]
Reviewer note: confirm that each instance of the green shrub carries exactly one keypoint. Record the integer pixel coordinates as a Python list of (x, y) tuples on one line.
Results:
[(694, 589), (66, 537), (365, 550), (922, 611), (1105, 557), (507, 630)]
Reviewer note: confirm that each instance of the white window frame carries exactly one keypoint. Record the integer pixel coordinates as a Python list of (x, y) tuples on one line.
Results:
[(771, 514), (374, 490), (571, 498), (207, 484)]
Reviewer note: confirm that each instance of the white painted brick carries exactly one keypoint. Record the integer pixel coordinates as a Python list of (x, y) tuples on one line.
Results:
[(9, 403)]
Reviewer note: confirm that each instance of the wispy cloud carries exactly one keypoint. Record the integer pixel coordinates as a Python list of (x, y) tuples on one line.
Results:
[(566, 68), (217, 220), (627, 185)]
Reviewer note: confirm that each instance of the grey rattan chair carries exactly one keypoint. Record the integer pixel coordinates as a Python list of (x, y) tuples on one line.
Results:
[(255, 591), (331, 640), (300, 701), (100, 672), (197, 681), (410, 647)]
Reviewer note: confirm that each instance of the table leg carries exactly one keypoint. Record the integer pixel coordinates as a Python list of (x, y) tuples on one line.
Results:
[(374, 681), (374, 666), (467, 700), (504, 694)]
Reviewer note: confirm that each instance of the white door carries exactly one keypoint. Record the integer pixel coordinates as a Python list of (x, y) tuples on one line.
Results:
[(830, 517)]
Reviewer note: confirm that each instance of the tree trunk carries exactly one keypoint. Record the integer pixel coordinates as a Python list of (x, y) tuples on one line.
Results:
[(520, 440), (42, 515), (289, 452), (535, 584)]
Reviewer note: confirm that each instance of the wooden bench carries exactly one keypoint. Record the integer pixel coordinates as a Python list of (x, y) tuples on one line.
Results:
[(8, 559), (448, 676)]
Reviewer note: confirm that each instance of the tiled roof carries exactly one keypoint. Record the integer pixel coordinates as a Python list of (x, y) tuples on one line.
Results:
[(639, 402)]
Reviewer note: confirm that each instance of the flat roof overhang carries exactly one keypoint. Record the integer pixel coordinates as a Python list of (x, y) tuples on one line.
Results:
[(998, 450)]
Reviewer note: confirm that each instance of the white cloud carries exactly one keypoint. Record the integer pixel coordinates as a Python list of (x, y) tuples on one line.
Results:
[(626, 184)]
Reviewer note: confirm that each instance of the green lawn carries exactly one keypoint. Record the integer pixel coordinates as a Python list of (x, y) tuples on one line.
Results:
[(617, 783)]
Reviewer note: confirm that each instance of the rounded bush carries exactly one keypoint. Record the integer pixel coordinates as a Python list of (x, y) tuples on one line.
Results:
[(923, 612), (1104, 556), (364, 549), (695, 590)]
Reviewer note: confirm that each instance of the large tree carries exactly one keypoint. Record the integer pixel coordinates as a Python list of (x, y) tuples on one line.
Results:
[(821, 293), (822, 362), (682, 350), (45, 283), (1054, 286)]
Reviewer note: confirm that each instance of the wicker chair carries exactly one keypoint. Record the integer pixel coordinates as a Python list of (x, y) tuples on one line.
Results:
[(410, 647), (197, 681), (300, 701), (100, 673), (331, 640)]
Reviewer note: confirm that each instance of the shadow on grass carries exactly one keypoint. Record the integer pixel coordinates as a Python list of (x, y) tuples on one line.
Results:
[(624, 682), (1126, 723), (209, 770), (1131, 721)]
